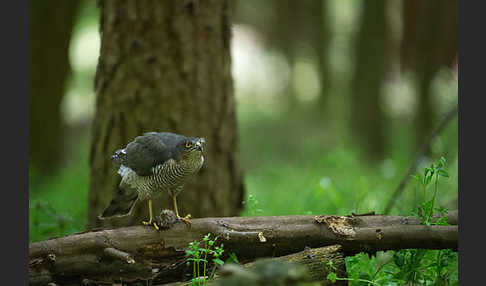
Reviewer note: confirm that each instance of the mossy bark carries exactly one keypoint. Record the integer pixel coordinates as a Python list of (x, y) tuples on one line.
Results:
[(166, 66)]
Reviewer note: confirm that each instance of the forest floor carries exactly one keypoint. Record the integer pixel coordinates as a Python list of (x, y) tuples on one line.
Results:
[(295, 170)]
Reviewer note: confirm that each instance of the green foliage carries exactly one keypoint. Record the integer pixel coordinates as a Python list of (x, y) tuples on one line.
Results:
[(408, 266), (336, 182), (289, 174), (58, 205), (251, 206), (427, 209), (209, 254), (363, 278), (404, 267), (45, 221)]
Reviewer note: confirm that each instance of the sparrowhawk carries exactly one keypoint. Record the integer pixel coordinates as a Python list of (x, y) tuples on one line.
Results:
[(151, 165)]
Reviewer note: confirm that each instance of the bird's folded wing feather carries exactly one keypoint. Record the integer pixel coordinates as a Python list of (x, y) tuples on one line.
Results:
[(148, 151)]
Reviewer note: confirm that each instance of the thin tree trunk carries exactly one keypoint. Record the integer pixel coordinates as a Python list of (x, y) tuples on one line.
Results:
[(166, 66), (50, 28), (429, 42), (286, 38), (427, 66), (411, 13), (367, 116), (320, 40), (140, 252)]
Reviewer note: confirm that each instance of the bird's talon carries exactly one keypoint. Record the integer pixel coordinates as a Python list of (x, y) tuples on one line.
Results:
[(156, 226), (185, 219), (147, 222)]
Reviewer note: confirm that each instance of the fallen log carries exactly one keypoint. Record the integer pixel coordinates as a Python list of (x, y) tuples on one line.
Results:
[(313, 260), (141, 253)]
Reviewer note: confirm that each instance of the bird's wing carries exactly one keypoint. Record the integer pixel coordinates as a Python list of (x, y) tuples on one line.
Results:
[(150, 150)]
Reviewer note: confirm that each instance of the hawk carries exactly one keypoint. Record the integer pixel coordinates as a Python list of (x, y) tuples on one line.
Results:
[(153, 164)]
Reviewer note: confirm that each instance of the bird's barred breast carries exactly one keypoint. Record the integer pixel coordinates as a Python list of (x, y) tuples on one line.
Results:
[(166, 177)]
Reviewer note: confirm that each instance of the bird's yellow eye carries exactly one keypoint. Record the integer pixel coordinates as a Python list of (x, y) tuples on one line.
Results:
[(188, 145)]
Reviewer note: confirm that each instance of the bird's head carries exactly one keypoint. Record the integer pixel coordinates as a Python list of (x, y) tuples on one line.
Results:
[(193, 144)]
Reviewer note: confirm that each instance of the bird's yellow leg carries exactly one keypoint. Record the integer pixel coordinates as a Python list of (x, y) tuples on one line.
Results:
[(186, 218), (150, 213), (150, 216)]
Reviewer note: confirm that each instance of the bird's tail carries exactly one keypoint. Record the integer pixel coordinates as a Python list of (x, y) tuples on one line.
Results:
[(121, 204)]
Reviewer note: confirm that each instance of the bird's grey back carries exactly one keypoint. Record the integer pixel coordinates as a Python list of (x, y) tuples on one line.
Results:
[(150, 150)]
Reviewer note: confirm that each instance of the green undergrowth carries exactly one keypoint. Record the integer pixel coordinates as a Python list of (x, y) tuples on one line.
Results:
[(58, 205), (290, 169), (335, 183), (410, 266)]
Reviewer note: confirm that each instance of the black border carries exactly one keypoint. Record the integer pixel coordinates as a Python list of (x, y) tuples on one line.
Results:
[(15, 133), (471, 49)]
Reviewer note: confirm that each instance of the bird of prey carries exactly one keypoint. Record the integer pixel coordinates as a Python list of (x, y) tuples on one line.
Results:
[(153, 164)]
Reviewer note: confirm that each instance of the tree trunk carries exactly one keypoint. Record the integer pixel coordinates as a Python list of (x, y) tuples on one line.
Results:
[(303, 24), (320, 39), (370, 48), (286, 38), (166, 66), (49, 34), (429, 42), (140, 253)]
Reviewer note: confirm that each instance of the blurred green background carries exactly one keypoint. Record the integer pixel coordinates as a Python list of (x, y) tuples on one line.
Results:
[(314, 139)]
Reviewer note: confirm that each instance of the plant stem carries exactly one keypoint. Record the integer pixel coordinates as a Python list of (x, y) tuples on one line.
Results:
[(438, 266), (198, 270), (425, 215), (205, 260), (212, 272), (435, 193), (194, 268), (381, 267), (425, 195)]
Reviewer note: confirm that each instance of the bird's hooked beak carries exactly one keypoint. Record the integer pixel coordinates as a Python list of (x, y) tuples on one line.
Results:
[(200, 144)]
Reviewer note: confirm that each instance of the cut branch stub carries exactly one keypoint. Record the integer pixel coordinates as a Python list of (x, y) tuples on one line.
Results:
[(340, 225)]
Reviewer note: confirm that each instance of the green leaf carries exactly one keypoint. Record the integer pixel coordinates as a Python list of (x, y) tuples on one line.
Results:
[(442, 210), (443, 173), (428, 205), (399, 259), (442, 221), (419, 255), (331, 265), (206, 237), (232, 258), (218, 261), (417, 177), (442, 160), (332, 277)]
